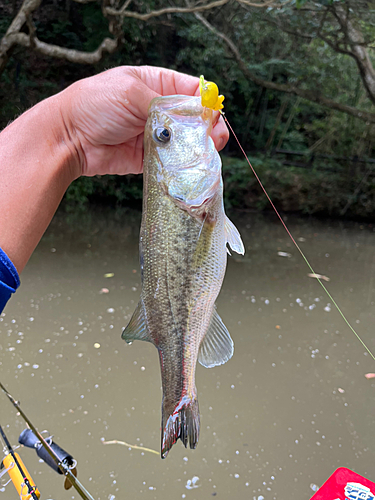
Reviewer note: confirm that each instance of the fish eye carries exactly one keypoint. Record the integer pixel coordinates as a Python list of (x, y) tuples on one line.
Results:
[(162, 135)]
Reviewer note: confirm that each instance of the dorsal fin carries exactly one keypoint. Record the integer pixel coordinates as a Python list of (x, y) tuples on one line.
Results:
[(217, 346), (233, 237), (137, 329)]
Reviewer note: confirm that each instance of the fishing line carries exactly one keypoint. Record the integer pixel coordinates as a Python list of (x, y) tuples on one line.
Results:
[(294, 241)]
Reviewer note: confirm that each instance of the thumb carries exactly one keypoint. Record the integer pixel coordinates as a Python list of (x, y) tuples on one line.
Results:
[(140, 97), (150, 82)]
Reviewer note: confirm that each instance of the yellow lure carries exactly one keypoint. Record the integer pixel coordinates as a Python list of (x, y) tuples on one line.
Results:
[(210, 97)]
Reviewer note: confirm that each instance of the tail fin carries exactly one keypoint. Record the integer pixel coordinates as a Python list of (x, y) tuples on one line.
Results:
[(183, 423)]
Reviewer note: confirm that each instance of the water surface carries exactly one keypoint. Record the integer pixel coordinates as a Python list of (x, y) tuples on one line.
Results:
[(290, 407)]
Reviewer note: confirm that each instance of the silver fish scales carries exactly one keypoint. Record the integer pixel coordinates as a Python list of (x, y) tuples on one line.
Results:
[(183, 254)]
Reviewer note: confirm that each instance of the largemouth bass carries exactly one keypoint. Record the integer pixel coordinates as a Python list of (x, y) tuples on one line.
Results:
[(183, 254)]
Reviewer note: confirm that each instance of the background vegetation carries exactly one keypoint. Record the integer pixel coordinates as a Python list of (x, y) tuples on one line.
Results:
[(297, 76)]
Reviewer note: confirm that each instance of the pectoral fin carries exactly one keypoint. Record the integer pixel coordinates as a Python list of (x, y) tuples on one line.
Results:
[(136, 329), (233, 237), (217, 346)]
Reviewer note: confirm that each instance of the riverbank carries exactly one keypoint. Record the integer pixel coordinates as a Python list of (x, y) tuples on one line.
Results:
[(324, 190)]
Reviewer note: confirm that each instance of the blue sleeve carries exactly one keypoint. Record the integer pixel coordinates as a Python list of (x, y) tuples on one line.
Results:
[(9, 279)]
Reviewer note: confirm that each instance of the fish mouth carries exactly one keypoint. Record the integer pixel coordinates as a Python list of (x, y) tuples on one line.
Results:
[(178, 104), (180, 107)]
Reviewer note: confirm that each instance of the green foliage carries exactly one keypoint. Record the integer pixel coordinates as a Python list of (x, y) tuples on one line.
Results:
[(78, 193), (108, 189), (279, 45), (291, 189)]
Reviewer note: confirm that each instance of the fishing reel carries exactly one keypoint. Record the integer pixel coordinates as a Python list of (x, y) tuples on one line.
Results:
[(13, 466), (30, 440), (57, 458)]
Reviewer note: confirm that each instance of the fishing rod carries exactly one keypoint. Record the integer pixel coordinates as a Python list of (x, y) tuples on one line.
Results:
[(62, 465), (18, 473)]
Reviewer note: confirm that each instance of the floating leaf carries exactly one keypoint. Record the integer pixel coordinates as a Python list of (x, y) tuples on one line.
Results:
[(284, 254), (318, 276)]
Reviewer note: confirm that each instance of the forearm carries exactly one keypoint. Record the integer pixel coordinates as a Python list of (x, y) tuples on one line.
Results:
[(37, 164)]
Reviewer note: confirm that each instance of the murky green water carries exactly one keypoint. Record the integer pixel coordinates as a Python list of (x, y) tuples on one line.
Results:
[(290, 407)]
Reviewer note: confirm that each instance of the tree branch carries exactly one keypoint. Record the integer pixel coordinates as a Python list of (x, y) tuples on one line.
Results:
[(191, 9), (265, 4), (335, 46), (358, 51), (108, 45), (289, 89), (122, 12), (14, 36), (7, 42)]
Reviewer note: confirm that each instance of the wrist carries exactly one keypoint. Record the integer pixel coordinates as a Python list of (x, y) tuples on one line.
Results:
[(65, 134), (60, 147)]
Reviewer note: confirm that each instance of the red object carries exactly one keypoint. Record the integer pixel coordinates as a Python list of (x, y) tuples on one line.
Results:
[(344, 484)]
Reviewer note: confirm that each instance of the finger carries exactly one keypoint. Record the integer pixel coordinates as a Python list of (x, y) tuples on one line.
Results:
[(220, 134), (168, 82), (150, 82)]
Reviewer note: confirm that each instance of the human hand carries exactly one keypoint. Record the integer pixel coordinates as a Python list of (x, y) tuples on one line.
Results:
[(105, 116)]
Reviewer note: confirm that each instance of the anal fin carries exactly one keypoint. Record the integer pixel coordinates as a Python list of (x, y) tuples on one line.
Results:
[(217, 346)]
